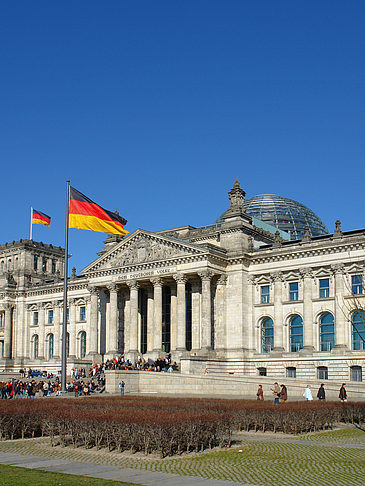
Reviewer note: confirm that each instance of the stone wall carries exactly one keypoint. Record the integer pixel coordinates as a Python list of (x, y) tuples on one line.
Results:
[(180, 384)]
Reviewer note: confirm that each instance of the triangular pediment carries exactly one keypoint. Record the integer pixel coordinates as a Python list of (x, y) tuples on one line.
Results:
[(143, 247)]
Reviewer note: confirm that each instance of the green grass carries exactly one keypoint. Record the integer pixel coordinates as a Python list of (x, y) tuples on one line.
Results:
[(19, 476)]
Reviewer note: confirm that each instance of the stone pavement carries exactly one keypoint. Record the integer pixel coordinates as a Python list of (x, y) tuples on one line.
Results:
[(147, 478)]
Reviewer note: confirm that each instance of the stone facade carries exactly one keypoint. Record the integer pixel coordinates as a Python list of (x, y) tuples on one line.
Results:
[(229, 296)]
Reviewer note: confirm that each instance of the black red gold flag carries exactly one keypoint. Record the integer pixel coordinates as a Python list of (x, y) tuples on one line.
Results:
[(85, 214)]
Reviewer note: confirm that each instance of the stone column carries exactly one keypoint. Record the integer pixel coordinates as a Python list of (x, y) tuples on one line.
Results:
[(133, 320), (277, 277), (181, 312), (195, 324), (41, 330), (157, 316), (92, 339), (72, 328), (206, 311), (7, 332), (308, 338), (173, 319), (57, 322), (150, 320), (219, 327), (340, 318), (112, 330), (252, 340)]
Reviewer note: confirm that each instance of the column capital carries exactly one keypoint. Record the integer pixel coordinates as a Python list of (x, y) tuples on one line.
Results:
[(133, 284), (180, 278), (222, 280), (113, 287), (156, 282), (306, 272), (276, 276), (338, 268), (93, 290), (206, 275)]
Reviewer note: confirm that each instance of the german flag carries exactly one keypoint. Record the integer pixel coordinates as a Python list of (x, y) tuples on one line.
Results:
[(85, 214), (40, 218)]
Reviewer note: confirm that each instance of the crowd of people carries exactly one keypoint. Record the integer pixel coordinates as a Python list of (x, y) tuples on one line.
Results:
[(280, 393), (45, 388)]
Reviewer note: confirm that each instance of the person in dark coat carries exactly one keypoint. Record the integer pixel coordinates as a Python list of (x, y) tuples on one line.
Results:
[(283, 394), (343, 393), (321, 395), (260, 393)]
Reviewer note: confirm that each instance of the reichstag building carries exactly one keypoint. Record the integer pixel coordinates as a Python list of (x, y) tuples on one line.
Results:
[(265, 290)]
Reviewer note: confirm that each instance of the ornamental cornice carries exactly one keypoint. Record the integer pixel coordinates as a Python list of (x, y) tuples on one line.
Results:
[(291, 254)]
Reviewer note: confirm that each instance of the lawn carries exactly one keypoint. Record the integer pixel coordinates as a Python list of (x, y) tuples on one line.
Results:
[(19, 476)]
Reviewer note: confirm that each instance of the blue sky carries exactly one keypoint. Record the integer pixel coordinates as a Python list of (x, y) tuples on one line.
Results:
[(154, 108)]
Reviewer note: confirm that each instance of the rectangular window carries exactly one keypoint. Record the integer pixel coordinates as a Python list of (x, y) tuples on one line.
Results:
[(50, 317), (322, 373), (1, 349), (2, 319), (82, 313), (324, 288), (44, 264), (293, 291), (356, 373), (356, 281), (68, 314), (35, 263), (35, 318), (53, 266), (265, 294), (291, 372)]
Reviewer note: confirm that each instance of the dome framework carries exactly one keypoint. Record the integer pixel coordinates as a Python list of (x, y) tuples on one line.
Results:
[(285, 214)]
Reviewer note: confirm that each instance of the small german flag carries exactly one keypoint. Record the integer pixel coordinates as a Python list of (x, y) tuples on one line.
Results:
[(85, 214), (40, 218)]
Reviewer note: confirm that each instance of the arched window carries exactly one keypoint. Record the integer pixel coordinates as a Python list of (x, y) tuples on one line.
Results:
[(267, 335), (82, 344), (50, 346), (35, 346), (295, 333), (326, 332), (358, 330)]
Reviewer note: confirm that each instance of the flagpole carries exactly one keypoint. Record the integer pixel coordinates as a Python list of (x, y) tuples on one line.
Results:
[(31, 223), (64, 326)]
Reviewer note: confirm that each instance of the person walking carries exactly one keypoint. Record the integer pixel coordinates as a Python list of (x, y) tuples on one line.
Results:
[(260, 393), (283, 394), (308, 394), (121, 386), (276, 392), (321, 394), (343, 393)]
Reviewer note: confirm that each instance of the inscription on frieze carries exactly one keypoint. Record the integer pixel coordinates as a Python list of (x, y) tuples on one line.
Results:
[(146, 273)]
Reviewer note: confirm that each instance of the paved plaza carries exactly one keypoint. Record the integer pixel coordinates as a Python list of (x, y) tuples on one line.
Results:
[(256, 459)]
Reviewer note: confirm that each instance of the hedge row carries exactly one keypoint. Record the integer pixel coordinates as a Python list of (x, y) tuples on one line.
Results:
[(165, 425)]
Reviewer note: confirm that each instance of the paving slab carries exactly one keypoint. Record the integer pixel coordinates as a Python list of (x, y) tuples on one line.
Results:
[(101, 471)]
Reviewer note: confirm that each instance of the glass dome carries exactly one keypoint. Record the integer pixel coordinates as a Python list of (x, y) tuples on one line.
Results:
[(285, 214)]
